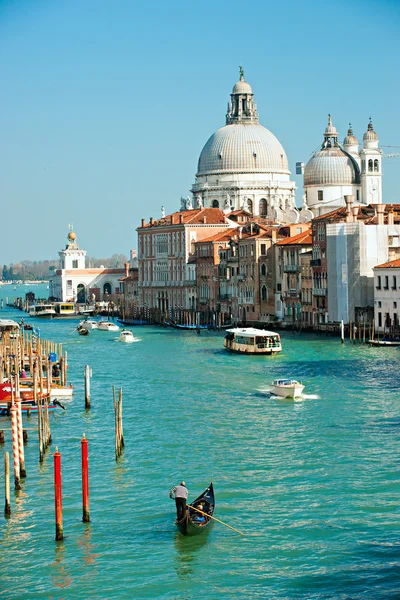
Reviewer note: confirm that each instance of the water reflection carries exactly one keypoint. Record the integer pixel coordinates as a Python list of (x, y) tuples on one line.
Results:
[(59, 575), (188, 553), (85, 542)]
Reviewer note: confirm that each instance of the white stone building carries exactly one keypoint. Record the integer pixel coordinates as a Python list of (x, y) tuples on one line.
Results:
[(338, 170), (73, 282), (387, 297), (244, 166)]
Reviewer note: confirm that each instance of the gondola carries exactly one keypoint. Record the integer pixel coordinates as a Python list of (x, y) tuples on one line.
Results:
[(194, 522), (82, 330)]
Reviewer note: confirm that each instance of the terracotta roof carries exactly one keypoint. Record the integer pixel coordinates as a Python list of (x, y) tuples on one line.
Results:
[(222, 236), (213, 216), (392, 264), (301, 239), (366, 214)]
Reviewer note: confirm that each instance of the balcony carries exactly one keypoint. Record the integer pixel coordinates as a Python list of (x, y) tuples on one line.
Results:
[(319, 291), (291, 294), (316, 262), (291, 268)]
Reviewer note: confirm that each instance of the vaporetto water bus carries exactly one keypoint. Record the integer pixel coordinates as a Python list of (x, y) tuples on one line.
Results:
[(249, 340)]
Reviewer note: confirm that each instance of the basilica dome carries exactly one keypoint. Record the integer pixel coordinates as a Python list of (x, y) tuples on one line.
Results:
[(243, 147), (331, 165)]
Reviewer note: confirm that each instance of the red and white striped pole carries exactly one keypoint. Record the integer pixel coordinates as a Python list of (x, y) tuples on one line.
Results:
[(58, 495), (22, 471), (14, 432), (85, 479)]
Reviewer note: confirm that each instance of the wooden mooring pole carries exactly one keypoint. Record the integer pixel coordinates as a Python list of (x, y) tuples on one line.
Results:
[(85, 479), (7, 507), (119, 435), (14, 431), (88, 374), (342, 331), (58, 495)]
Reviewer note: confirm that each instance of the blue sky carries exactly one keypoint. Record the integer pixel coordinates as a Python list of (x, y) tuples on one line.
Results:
[(106, 105)]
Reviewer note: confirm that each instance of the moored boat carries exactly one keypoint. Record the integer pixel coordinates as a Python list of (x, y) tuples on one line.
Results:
[(195, 522), (107, 326), (89, 324), (286, 388), (248, 340), (44, 311), (394, 342)]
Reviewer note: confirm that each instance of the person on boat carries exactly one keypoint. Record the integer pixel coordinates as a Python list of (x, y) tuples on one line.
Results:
[(180, 493), (23, 374), (56, 370)]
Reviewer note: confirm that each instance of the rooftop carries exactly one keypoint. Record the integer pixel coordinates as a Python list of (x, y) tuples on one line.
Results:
[(301, 239), (392, 264)]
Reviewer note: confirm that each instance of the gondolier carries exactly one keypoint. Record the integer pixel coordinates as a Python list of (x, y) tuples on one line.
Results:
[(180, 493)]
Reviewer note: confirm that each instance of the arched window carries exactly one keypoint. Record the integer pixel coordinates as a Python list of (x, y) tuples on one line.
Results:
[(215, 204), (107, 288), (370, 165), (376, 165), (249, 205), (80, 293), (263, 269), (262, 207), (264, 293)]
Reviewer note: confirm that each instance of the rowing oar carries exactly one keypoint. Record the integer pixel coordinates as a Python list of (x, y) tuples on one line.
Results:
[(215, 519)]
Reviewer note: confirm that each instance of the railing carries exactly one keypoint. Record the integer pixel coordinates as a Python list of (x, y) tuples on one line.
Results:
[(319, 291), (291, 268), (291, 294)]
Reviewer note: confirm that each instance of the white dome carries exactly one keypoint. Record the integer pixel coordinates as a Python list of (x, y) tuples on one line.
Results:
[(242, 87), (243, 148), (331, 166)]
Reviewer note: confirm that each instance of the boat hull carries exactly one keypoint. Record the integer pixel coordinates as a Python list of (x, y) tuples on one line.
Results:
[(290, 391), (188, 525)]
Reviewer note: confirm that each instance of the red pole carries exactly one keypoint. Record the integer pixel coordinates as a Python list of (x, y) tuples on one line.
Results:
[(58, 495), (85, 479)]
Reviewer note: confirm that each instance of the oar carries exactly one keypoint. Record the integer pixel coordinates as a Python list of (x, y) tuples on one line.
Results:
[(215, 519)]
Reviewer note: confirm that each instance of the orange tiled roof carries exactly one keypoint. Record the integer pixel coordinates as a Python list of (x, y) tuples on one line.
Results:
[(392, 264), (195, 216), (366, 214), (222, 236), (301, 239)]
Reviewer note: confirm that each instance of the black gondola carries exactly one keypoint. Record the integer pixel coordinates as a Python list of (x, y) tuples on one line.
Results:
[(194, 522)]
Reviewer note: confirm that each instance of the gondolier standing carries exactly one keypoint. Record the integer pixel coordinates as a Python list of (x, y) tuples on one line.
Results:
[(181, 494)]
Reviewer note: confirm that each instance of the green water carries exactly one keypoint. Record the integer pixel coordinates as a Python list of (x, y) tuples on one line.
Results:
[(313, 484)]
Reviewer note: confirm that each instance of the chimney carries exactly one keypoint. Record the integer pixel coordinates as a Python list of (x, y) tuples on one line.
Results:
[(355, 210), (204, 219), (143, 222), (380, 210), (126, 269), (390, 217), (240, 232), (349, 204), (251, 228), (180, 218), (151, 221), (273, 236)]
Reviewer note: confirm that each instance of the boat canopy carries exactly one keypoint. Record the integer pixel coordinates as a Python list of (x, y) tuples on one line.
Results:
[(7, 324), (251, 332)]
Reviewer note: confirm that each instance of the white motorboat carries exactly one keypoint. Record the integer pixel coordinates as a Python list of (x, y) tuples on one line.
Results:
[(42, 310), (89, 324), (126, 336), (107, 326), (286, 388), (249, 340)]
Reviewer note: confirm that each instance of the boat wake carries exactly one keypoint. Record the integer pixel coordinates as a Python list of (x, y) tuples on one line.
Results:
[(267, 392)]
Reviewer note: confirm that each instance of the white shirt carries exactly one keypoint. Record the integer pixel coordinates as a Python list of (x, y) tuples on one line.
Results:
[(180, 491)]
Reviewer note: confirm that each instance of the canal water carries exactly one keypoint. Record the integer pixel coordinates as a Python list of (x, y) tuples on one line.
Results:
[(313, 484)]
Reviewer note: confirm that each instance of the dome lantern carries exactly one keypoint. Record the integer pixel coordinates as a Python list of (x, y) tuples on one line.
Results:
[(241, 108), (370, 137)]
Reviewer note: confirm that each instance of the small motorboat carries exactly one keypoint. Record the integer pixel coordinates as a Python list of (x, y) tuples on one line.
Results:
[(196, 521), (286, 388), (89, 324), (82, 330), (126, 336), (107, 326)]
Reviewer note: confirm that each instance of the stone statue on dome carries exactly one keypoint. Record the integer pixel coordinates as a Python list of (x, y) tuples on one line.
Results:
[(199, 201), (228, 203), (189, 203), (304, 202), (183, 203), (162, 212)]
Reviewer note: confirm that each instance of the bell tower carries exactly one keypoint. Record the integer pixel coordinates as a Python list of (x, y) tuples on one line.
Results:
[(371, 167)]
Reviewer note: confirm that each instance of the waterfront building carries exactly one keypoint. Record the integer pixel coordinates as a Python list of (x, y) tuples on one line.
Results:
[(347, 244), (74, 282), (337, 170), (243, 166), (129, 306), (291, 270), (387, 297), (166, 253)]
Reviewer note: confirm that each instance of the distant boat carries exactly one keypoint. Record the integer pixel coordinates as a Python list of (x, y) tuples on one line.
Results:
[(82, 330), (286, 388), (194, 522), (107, 326), (127, 336), (394, 342), (248, 340), (44, 311), (89, 324)]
